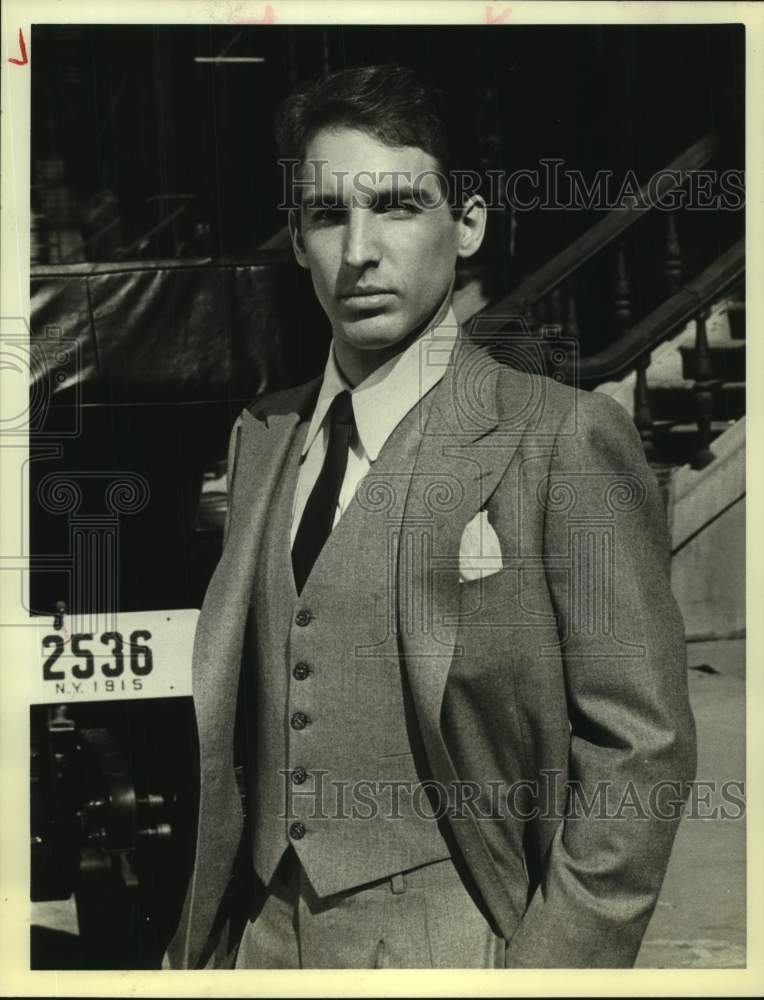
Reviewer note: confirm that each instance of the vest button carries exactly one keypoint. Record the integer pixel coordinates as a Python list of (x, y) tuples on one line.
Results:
[(299, 720), (301, 671), (303, 617), (299, 775), (297, 831)]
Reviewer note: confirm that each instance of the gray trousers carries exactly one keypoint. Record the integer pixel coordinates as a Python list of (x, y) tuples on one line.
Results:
[(423, 918)]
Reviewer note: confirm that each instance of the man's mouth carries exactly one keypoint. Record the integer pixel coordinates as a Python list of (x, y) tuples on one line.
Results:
[(367, 298), (368, 291)]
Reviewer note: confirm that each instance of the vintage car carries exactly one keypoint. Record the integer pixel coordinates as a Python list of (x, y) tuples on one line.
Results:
[(138, 373)]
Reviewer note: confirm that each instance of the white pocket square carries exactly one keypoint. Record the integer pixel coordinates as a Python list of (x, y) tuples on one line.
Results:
[(479, 550)]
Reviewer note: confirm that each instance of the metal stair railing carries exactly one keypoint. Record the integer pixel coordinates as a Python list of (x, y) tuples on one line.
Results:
[(550, 289)]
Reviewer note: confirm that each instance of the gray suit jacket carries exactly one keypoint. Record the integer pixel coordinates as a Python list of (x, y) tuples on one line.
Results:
[(560, 680)]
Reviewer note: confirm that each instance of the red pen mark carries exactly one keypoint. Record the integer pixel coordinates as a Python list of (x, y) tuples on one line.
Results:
[(268, 17), (23, 50), (500, 18)]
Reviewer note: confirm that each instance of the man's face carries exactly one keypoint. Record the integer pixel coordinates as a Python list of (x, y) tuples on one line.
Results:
[(381, 249)]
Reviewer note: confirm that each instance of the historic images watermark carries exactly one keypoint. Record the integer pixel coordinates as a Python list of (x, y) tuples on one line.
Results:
[(93, 502), (315, 795), (548, 185)]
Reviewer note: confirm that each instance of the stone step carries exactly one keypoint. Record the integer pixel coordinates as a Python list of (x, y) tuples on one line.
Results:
[(736, 320), (677, 404), (727, 361), (670, 379), (676, 443), (666, 367)]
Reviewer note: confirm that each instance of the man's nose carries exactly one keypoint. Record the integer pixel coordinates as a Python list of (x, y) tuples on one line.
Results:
[(361, 239)]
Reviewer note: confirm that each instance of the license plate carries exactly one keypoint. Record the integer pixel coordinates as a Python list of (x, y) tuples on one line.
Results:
[(140, 654)]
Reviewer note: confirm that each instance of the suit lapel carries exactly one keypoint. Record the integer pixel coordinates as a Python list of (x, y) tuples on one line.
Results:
[(461, 459), (464, 452), (262, 450)]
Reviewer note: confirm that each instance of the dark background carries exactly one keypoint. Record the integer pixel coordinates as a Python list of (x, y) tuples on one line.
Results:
[(128, 129)]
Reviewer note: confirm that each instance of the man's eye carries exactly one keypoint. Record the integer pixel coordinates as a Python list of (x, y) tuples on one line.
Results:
[(400, 207), (330, 215)]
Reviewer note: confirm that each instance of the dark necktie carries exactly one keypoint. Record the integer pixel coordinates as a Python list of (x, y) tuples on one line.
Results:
[(318, 516)]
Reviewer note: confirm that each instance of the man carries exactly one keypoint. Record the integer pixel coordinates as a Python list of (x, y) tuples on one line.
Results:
[(442, 613)]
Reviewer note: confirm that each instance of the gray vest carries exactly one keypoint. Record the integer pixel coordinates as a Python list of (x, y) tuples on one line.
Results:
[(336, 761)]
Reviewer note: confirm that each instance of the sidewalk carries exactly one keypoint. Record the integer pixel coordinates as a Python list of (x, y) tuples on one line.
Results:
[(699, 921)]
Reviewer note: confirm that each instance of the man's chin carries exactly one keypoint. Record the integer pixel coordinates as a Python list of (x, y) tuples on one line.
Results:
[(373, 333)]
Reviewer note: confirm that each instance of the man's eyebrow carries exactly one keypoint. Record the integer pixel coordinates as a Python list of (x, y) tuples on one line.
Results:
[(386, 194), (322, 199), (407, 191)]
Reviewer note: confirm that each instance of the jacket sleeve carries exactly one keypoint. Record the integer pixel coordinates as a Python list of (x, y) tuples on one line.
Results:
[(175, 954), (632, 733), (233, 454)]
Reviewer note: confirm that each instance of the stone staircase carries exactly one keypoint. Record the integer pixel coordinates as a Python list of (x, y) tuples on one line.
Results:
[(705, 506), (672, 386)]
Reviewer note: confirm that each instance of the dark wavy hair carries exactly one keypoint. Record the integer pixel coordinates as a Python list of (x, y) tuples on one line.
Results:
[(388, 102)]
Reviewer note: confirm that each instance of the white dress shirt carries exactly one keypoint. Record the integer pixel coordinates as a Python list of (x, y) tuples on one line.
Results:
[(380, 402)]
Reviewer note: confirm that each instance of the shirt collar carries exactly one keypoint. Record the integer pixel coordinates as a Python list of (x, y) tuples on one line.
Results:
[(384, 398)]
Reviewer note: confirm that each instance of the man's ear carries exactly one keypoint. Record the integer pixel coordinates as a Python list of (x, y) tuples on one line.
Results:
[(296, 237), (472, 225)]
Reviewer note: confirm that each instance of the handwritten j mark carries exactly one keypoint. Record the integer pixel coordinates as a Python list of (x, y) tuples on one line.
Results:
[(23, 50)]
